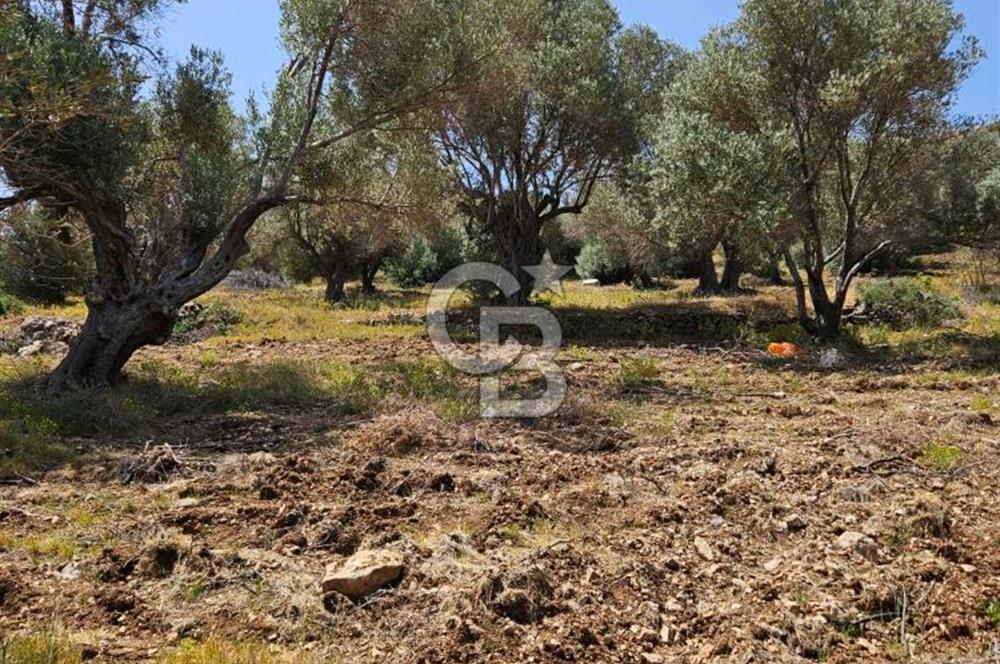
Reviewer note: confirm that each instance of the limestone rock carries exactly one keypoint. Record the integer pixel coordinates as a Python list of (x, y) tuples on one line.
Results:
[(364, 573)]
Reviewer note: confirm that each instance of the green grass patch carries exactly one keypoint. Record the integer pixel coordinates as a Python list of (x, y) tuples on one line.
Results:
[(42, 648), (153, 392), (218, 651), (637, 374), (433, 381), (942, 458)]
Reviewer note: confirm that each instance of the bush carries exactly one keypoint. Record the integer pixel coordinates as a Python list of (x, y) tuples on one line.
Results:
[(595, 262), (417, 266), (907, 302), (9, 305), (214, 318), (41, 258), (427, 259)]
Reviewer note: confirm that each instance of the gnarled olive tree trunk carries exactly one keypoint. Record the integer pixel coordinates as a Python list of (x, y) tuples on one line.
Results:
[(708, 278), (124, 313), (111, 334), (733, 269), (519, 235)]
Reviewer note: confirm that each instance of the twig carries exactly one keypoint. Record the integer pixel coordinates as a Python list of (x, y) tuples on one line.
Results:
[(902, 627)]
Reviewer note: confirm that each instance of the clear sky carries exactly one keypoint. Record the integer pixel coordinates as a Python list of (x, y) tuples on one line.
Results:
[(246, 32)]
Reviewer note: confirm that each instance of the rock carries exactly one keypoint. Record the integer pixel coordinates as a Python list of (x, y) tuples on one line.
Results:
[(69, 572), (772, 564), (795, 523), (767, 466), (364, 573), (261, 459), (590, 282), (830, 359), (186, 503), (859, 543), (704, 549), (32, 349), (651, 658)]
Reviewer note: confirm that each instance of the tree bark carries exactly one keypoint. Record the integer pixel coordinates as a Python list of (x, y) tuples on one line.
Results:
[(369, 269), (708, 279), (734, 267), (335, 280), (519, 235), (110, 335), (774, 273)]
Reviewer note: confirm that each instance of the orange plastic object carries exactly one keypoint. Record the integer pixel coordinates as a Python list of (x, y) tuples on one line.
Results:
[(783, 349)]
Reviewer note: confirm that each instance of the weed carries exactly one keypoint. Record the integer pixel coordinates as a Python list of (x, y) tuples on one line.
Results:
[(982, 404), (217, 651), (197, 588), (26, 446), (52, 546), (991, 608), (903, 535), (935, 456), (433, 381), (217, 317), (42, 648), (636, 374)]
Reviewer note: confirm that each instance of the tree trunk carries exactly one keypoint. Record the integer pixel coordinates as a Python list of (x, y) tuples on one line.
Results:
[(734, 267), (368, 271), (519, 244), (708, 279), (334, 287), (774, 273), (112, 333)]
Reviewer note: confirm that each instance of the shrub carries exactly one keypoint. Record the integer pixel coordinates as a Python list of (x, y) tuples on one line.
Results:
[(9, 305), (427, 259), (41, 258), (907, 302), (596, 262), (417, 266), (216, 318)]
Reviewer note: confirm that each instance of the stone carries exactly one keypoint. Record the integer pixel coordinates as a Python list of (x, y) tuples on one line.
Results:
[(704, 549), (795, 523), (859, 543), (364, 573), (32, 349), (261, 459)]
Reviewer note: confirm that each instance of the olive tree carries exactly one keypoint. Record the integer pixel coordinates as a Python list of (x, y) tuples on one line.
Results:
[(368, 196), (170, 187), (559, 108), (718, 167), (859, 86)]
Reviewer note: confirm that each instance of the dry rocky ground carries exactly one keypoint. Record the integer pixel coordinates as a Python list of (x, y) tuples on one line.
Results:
[(689, 503)]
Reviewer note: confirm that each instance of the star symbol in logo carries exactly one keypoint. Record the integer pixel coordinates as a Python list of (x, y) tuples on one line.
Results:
[(547, 275)]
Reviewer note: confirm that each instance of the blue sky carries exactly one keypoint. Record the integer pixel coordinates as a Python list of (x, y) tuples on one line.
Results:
[(246, 32)]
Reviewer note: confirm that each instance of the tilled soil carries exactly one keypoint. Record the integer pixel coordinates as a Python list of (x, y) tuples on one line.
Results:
[(740, 509)]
